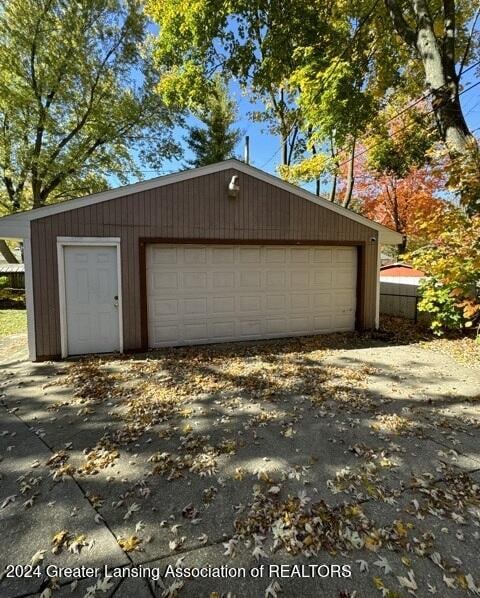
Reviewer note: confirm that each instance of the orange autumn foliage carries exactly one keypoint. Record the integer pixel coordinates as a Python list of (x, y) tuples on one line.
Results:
[(400, 204)]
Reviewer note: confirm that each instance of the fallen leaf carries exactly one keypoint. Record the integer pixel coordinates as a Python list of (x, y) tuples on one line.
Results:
[(408, 582), (173, 590), (272, 589), (129, 544), (8, 500), (37, 557), (383, 564)]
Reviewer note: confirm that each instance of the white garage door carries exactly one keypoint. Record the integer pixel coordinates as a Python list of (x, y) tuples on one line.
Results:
[(214, 293)]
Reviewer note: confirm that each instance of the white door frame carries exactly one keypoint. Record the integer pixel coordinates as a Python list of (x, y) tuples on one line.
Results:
[(63, 242)]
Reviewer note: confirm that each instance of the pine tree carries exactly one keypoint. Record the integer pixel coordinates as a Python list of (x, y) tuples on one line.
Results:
[(216, 139)]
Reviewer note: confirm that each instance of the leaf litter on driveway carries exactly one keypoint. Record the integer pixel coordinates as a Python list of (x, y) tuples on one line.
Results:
[(304, 447)]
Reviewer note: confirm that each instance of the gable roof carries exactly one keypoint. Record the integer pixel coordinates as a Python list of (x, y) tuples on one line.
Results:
[(17, 226)]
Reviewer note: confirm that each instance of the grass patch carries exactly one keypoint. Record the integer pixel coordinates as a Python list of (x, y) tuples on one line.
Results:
[(12, 321)]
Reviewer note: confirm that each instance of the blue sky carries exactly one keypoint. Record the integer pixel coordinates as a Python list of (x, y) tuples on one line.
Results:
[(265, 149)]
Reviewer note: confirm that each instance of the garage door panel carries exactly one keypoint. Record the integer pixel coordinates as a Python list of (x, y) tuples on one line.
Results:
[(249, 255), (299, 256), (322, 278), (275, 255), (343, 299), (276, 325), (322, 255), (225, 329), (223, 255), (322, 323), (249, 303), (223, 280), (195, 331), (300, 279), (195, 280), (276, 302), (222, 305), (300, 324), (195, 255), (300, 302), (345, 255), (344, 279), (195, 306), (199, 294), (165, 255), (323, 302), (250, 328), (164, 280), (166, 307), (275, 279), (249, 279), (344, 323), (170, 333)]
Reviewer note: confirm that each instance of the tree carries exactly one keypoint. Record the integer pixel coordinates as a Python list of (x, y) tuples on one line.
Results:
[(395, 183), (326, 70), (76, 97), (435, 33), (259, 43), (216, 140), (401, 203), (451, 260)]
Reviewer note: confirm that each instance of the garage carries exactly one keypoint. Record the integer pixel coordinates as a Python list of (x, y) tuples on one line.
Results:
[(225, 252), (216, 293)]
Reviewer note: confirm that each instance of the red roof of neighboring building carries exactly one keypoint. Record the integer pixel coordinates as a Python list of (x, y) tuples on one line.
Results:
[(400, 270)]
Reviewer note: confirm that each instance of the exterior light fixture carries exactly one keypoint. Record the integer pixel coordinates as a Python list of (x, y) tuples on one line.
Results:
[(233, 187)]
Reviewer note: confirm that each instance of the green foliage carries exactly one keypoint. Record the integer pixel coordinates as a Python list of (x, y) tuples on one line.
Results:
[(216, 140), (76, 97), (327, 68), (437, 301), (397, 147), (307, 170), (452, 261), (464, 176)]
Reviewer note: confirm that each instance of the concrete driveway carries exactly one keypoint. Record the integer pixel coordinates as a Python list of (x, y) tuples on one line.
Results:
[(331, 466)]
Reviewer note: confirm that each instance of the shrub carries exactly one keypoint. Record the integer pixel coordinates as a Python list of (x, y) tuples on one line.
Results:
[(452, 263)]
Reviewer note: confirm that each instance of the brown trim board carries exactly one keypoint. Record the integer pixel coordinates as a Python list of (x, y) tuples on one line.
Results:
[(144, 241)]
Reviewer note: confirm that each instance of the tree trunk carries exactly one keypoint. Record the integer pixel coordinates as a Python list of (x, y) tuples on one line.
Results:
[(7, 253), (438, 59), (314, 153), (350, 176), (334, 155), (333, 190)]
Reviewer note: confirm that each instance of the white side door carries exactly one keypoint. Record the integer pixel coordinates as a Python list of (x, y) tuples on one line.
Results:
[(91, 299)]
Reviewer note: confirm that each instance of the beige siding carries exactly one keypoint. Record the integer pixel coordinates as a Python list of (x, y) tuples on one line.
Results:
[(194, 209)]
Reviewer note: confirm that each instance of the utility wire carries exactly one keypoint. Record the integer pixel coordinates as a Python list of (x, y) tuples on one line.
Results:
[(403, 111), (362, 23), (364, 151)]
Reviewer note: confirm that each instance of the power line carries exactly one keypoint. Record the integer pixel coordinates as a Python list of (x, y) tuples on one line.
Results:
[(362, 22), (364, 151), (403, 111)]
